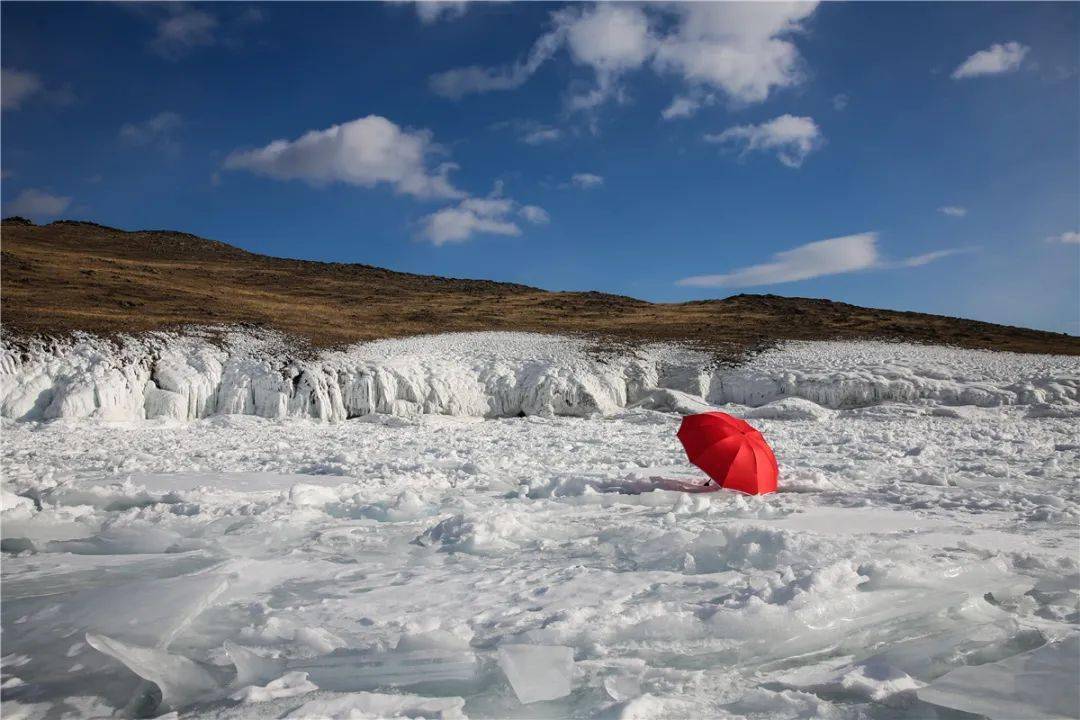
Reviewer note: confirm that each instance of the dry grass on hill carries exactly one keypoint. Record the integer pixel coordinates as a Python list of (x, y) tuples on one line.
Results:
[(69, 276)]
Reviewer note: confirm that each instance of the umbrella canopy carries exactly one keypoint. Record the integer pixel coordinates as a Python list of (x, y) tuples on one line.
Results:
[(730, 451)]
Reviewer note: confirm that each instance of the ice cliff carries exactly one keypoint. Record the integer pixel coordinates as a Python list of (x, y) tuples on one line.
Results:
[(189, 376)]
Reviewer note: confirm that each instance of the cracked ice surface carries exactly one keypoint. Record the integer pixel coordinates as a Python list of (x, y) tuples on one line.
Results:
[(923, 545)]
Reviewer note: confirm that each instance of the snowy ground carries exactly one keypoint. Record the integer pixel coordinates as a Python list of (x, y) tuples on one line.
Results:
[(921, 559)]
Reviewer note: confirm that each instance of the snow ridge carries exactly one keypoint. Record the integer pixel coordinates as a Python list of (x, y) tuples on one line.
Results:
[(187, 377)]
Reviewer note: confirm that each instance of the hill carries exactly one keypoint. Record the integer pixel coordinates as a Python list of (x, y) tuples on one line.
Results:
[(70, 275)]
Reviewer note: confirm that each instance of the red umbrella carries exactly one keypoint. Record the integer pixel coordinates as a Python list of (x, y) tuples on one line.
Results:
[(730, 451)]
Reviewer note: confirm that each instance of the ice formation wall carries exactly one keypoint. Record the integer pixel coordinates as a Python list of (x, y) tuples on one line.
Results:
[(188, 376)]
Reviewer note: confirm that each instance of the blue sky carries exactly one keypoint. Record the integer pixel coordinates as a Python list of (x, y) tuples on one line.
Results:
[(917, 156)]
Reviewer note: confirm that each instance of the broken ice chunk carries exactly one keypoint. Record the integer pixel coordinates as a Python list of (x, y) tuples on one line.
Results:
[(180, 680), (1040, 683), (537, 672), (288, 685)]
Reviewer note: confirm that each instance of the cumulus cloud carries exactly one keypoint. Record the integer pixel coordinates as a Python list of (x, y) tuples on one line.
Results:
[(37, 204), (834, 256), (159, 130), (998, 58), (16, 86), (1069, 237), (741, 49), (953, 211), (367, 152), (586, 181), (432, 11), (791, 138), (492, 215)]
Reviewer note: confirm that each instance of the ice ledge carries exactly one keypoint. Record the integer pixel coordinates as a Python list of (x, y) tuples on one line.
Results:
[(187, 376)]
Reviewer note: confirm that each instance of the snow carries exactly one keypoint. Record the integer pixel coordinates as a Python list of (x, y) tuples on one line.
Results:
[(378, 532)]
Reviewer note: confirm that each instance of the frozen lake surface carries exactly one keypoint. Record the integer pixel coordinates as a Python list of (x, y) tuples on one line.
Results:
[(920, 560)]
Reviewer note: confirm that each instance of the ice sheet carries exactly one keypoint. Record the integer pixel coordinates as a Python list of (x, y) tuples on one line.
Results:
[(389, 558)]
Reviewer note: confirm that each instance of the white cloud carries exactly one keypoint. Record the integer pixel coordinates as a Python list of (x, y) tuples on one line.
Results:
[(840, 102), (431, 11), (37, 204), (159, 130), (953, 211), (792, 138), (460, 222), (998, 58), (16, 86), (924, 259), (680, 107), (457, 83), (684, 106), (365, 152), (587, 181), (479, 216), (541, 134), (1069, 237), (534, 214), (182, 29), (742, 49), (835, 256)]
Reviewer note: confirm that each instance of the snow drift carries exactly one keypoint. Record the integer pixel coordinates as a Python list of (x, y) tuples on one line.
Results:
[(187, 377)]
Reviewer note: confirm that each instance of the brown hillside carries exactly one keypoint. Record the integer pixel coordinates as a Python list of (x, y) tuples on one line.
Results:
[(80, 276)]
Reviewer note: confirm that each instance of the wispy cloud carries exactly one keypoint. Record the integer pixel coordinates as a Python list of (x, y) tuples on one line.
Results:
[(542, 135), (684, 106), (791, 138), (16, 86), (37, 204), (20, 86), (996, 59), (586, 181), (367, 152), (530, 132), (159, 131), (840, 101), (1070, 237), (183, 29), (835, 256), (953, 211)]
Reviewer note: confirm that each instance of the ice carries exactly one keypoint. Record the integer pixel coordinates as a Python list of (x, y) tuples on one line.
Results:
[(185, 377), (288, 685), (1038, 684), (377, 706), (538, 672), (278, 522), (180, 680)]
